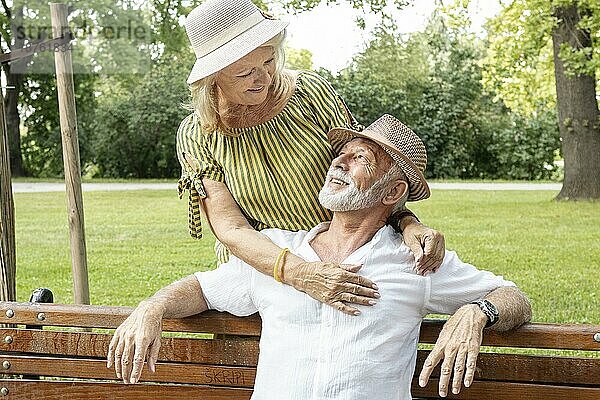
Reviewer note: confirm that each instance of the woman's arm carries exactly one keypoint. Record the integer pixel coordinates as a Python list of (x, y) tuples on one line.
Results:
[(428, 245), (329, 283)]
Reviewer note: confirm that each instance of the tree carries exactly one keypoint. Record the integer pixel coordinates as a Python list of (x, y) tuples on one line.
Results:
[(546, 54), (431, 80)]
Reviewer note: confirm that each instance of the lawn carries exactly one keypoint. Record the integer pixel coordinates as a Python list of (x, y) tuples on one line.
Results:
[(137, 242)]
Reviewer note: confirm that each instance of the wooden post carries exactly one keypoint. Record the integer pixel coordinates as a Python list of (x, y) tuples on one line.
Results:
[(70, 145), (8, 263)]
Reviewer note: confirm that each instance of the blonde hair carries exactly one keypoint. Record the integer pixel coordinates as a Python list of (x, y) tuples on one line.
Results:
[(204, 100)]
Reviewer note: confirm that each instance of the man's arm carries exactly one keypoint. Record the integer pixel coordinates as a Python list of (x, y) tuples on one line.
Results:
[(138, 337), (462, 334)]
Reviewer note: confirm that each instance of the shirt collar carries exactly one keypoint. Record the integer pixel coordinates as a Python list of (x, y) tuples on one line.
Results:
[(359, 256)]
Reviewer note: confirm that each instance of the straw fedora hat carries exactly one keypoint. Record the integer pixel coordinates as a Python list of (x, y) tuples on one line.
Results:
[(223, 31), (400, 142)]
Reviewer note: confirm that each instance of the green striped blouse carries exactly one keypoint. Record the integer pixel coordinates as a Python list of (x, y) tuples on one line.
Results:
[(274, 170)]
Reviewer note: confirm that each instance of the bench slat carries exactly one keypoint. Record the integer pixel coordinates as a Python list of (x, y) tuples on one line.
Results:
[(543, 336), (536, 335), (96, 369), (60, 390), (529, 368), (243, 352), (508, 391), (111, 317)]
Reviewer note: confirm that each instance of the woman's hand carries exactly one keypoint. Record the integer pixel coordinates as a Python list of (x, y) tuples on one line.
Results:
[(134, 341), (428, 246), (457, 345), (333, 284)]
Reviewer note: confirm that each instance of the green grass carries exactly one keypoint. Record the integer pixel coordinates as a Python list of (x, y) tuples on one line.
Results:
[(137, 242)]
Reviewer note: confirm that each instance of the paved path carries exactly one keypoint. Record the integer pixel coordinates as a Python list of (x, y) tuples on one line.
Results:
[(23, 187)]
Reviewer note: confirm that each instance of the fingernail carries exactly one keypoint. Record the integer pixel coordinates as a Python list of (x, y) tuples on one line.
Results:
[(356, 312), (455, 390), (421, 383), (132, 380), (372, 302), (377, 295), (375, 287), (467, 383)]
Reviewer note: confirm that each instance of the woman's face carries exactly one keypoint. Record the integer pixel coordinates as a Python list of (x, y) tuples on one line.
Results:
[(247, 81)]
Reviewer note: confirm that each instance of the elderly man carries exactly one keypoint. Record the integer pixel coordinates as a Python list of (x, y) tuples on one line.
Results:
[(309, 350)]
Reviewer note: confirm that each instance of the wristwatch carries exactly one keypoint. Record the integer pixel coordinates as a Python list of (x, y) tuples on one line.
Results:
[(490, 311)]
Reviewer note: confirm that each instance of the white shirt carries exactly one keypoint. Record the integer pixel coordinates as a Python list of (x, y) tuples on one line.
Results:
[(311, 351)]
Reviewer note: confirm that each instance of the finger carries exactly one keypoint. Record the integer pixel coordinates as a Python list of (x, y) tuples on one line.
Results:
[(141, 349), (346, 309), (446, 372), (126, 360), (118, 354), (111, 351), (440, 253), (426, 265), (361, 291), (459, 370), (415, 246), (427, 248), (359, 280), (471, 365), (153, 354), (431, 361), (350, 298), (351, 268)]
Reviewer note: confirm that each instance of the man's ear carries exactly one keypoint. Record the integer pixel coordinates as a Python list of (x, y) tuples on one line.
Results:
[(396, 192)]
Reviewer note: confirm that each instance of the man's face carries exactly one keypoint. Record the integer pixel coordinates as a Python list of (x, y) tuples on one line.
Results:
[(353, 180)]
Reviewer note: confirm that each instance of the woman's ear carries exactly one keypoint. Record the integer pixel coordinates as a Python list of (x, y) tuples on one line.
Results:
[(396, 192)]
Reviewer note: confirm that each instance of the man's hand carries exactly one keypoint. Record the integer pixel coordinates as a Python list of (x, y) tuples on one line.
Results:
[(135, 340), (428, 246), (458, 344), (333, 284)]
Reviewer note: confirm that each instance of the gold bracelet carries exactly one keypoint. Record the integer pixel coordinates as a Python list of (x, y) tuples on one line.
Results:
[(276, 267)]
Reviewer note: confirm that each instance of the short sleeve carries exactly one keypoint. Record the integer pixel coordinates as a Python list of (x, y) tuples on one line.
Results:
[(229, 288), (197, 163), (327, 108), (457, 283)]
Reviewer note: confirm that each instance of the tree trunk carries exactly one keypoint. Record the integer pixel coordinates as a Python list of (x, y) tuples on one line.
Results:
[(13, 122), (7, 219), (578, 115), (14, 77)]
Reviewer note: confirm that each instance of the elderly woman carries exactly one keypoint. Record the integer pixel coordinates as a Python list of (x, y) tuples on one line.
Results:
[(254, 152)]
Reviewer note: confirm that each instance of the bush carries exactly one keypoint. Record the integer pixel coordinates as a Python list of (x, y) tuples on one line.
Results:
[(134, 135)]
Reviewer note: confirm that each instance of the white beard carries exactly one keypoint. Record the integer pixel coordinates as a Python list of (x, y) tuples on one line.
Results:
[(351, 198)]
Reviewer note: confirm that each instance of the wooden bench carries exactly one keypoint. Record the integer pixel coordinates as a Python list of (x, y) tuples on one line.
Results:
[(59, 362)]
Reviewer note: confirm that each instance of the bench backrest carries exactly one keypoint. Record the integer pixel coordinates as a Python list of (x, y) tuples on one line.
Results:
[(192, 365)]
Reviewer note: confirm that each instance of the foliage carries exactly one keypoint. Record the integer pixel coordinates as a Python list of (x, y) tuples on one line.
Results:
[(298, 59), (519, 65), (134, 134), (434, 86)]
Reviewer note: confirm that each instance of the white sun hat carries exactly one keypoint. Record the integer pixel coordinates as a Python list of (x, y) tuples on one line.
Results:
[(223, 31)]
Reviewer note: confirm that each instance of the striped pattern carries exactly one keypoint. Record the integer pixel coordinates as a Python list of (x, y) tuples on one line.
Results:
[(273, 170)]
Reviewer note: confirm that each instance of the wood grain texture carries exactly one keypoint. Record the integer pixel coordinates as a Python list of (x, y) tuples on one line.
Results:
[(543, 336), (60, 390), (85, 344), (111, 317), (8, 263), (166, 372), (529, 368), (536, 335), (70, 145), (485, 390)]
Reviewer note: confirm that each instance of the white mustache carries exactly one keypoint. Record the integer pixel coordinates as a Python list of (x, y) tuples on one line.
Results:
[(340, 175)]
